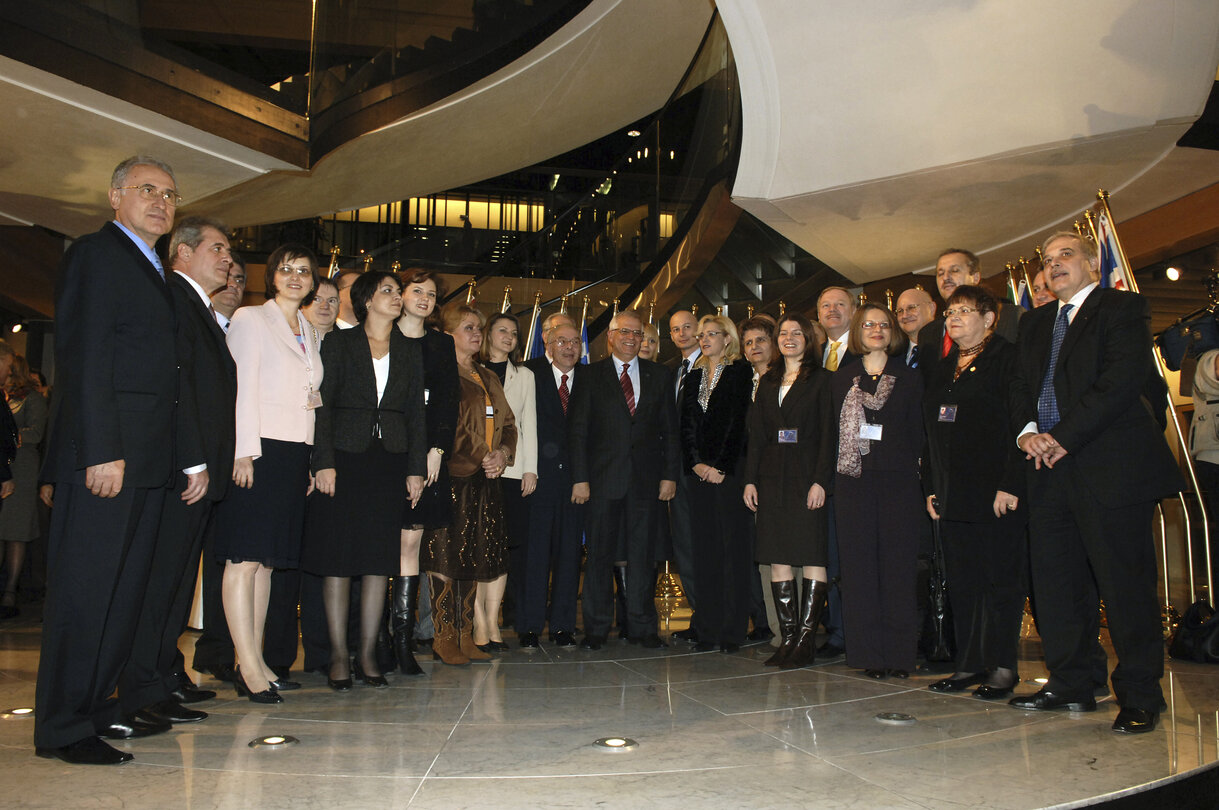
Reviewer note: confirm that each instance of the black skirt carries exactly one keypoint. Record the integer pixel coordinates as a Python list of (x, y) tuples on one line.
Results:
[(434, 510), (353, 534), (473, 546), (263, 524)]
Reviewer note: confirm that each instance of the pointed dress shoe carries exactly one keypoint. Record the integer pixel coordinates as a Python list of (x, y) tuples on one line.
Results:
[(591, 642), (988, 692), (1135, 721), (958, 684), (170, 711), (189, 694), (89, 751), (528, 641), (562, 638), (1045, 700), (130, 728)]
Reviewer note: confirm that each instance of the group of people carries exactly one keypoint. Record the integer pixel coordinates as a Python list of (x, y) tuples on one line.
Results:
[(335, 444)]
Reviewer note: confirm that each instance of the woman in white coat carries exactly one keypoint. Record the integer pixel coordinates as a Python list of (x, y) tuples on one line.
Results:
[(501, 353)]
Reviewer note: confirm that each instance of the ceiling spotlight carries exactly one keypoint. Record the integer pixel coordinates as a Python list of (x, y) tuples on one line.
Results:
[(633, 133), (1172, 274), (23, 711), (17, 327)]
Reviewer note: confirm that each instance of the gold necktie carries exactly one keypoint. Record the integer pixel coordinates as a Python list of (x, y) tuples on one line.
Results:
[(831, 362)]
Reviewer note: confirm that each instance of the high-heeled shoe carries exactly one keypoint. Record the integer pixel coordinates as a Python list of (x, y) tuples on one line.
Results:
[(284, 685), (265, 696), (375, 681)]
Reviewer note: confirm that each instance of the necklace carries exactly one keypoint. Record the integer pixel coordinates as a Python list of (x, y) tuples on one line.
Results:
[(972, 350)]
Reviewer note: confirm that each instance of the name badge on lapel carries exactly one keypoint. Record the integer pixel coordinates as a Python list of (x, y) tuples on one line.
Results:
[(948, 413), (789, 436), (870, 432)]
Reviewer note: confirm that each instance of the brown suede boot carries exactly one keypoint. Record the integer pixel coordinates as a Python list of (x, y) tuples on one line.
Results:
[(469, 589), (785, 608), (444, 616)]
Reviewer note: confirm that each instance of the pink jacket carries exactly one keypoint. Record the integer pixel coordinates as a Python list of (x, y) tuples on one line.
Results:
[(274, 377)]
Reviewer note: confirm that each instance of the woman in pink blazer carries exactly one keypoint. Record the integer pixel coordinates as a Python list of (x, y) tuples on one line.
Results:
[(258, 526)]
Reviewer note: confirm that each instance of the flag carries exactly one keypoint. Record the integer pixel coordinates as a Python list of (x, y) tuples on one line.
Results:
[(1022, 296), (584, 340), (1113, 267), (533, 339)]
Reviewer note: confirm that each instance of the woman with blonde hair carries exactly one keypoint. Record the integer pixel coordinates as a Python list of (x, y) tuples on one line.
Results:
[(715, 399)]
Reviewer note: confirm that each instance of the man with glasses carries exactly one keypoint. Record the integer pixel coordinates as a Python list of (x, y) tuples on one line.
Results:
[(624, 457), (110, 457), (915, 309)]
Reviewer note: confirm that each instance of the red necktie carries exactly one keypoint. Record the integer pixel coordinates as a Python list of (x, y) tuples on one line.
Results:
[(564, 393), (947, 347), (628, 390)]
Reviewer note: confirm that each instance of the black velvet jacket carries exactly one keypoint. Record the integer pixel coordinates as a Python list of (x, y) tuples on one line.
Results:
[(716, 437)]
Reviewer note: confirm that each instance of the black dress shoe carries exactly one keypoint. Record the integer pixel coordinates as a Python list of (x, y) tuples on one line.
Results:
[(130, 729), (958, 684), (528, 641), (762, 633), (988, 692), (830, 650), (266, 696), (184, 694), (357, 672), (1045, 700), (592, 643), (897, 673), (172, 711), (652, 642), (562, 638), (1135, 721), (688, 635), (878, 674), (730, 648), (282, 684), (89, 751), (342, 685)]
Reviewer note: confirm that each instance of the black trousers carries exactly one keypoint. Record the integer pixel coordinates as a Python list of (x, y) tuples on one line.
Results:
[(878, 537), (985, 564), (616, 529), (99, 555), (681, 532), (149, 675), (551, 567), (1082, 552), (723, 559)]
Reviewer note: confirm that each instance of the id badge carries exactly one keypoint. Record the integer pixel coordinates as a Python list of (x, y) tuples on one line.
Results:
[(948, 413), (426, 393), (789, 436), (871, 432), (315, 400), (490, 411)]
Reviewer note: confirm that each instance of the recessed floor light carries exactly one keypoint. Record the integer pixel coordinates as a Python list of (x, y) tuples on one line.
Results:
[(273, 741), (615, 744), (896, 719)]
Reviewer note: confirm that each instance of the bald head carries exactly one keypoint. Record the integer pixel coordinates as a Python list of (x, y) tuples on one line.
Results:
[(915, 309)]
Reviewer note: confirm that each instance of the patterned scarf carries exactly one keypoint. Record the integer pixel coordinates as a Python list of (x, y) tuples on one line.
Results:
[(851, 446)]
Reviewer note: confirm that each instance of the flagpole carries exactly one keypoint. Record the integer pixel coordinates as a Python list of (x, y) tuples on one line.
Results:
[(533, 323), (1011, 282), (1102, 197), (507, 303)]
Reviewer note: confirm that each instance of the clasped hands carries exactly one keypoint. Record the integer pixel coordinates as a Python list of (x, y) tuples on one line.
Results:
[(1042, 448)]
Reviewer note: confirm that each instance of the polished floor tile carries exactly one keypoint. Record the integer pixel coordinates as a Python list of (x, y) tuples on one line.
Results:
[(710, 729)]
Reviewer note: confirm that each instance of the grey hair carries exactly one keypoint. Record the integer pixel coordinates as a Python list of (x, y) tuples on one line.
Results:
[(190, 233), (120, 171)]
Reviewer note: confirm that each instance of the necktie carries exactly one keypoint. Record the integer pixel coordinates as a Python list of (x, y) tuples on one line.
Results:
[(831, 362), (912, 361), (1047, 400), (946, 347), (681, 375), (564, 393), (157, 264), (628, 390)]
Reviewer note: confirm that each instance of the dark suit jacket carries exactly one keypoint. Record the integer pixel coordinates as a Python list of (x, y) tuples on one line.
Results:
[(554, 454), (972, 457), (440, 382), (931, 336), (350, 413), (716, 437), (10, 437), (901, 416), (790, 469), (616, 452), (1106, 424), (116, 380), (207, 390)]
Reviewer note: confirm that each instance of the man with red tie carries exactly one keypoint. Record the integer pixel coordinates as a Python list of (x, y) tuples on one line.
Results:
[(625, 457)]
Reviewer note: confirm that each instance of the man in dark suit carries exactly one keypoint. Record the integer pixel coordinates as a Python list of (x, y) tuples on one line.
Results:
[(110, 457), (624, 455), (954, 267), (1098, 464), (153, 683), (551, 556), (682, 328)]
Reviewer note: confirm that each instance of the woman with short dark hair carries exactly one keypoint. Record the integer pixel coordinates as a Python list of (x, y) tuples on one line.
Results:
[(877, 402), (368, 452), (259, 523)]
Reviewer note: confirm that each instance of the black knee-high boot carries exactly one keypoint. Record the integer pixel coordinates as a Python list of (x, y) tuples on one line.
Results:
[(406, 599)]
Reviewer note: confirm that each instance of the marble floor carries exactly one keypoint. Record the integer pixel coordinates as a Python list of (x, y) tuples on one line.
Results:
[(711, 730)]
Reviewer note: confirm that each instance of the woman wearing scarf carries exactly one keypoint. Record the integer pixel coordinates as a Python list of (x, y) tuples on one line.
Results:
[(877, 495)]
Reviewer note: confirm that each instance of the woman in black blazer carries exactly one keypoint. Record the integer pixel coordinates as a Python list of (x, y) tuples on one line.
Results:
[(787, 470), (878, 403), (975, 489), (369, 449), (714, 401)]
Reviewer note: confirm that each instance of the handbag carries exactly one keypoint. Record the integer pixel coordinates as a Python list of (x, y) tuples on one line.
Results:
[(1197, 635)]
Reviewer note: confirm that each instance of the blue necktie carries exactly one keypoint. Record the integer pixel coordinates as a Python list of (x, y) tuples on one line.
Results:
[(1047, 400), (912, 361)]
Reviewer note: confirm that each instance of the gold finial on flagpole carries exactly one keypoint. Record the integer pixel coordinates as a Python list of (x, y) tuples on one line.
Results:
[(719, 311), (748, 311), (470, 291), (782, 307), (562, 303), (694, 310), (652, 311), (507, 302), (615, 314), (367, 263), (396, 267), (863, 298), (889, 299), (333, 270)]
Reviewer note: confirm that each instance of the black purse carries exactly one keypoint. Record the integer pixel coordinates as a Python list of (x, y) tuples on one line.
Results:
[(1197, 635)]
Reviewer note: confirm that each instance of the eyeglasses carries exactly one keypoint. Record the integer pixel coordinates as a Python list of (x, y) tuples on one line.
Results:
[(300, 269), (630, 332), (882, 325), (563, 343), (711, 333), (962, 311), (150, 192), (910, 309)]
